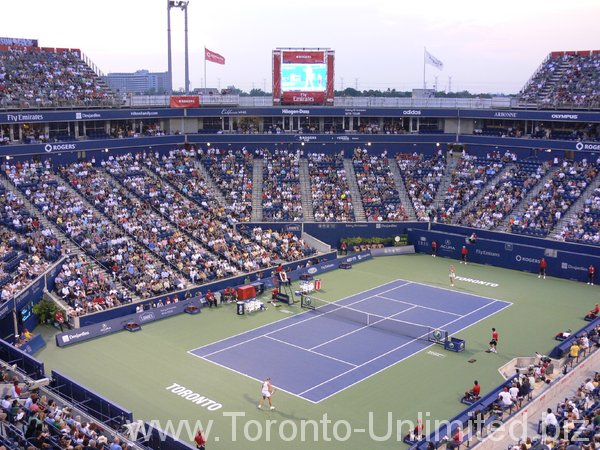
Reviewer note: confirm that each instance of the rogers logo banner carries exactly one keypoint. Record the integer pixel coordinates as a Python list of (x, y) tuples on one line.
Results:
[(303, 98), (185, 101), (314, 57)]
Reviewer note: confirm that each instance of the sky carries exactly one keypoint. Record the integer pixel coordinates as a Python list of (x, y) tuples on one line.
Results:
[(486, 47)]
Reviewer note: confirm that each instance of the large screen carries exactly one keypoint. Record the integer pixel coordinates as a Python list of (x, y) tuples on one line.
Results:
[(304, 77)]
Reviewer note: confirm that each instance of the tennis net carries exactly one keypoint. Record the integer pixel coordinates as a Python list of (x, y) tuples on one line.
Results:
[(395, 326)]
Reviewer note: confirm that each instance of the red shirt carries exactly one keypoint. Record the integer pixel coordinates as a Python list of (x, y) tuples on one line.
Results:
[(457, 438), (476, 390), (199, 439), (433, 244), (591, 270), (596, 309), (464, 251), (543, 264), (495, 336)]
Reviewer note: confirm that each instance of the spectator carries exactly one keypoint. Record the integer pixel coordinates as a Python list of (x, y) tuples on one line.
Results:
[(474, 394)]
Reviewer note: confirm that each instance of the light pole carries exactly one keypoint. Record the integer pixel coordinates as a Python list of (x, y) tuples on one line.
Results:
[(183, 6), (169, 64)]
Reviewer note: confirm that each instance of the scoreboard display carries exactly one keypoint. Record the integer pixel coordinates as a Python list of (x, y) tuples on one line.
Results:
[(303, 76)]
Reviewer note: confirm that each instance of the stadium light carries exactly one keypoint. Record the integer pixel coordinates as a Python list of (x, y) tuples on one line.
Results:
[(183, 6)]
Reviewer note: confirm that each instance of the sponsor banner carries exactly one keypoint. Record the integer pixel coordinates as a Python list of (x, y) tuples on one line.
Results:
[(34, 345), (560, 116), (7, 308), (303, 57), (64, 116), (587, 146), (213, 56), (388, 251), (19, 41), (303, 98), (61, 116), (99, 144), (323, 267), (185, 101), (118, 324), (510, 255), (33, 292)]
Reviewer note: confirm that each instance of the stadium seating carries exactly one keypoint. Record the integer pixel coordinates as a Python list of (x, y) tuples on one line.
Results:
[(565, 79), (33, 77), (332, 201), (501, 198), (281, 197), (564, 187), (421, 175), (584, 228), (469, 177), (377, 188)]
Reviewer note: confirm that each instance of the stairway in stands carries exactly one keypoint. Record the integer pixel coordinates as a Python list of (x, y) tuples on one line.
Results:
[(489, 186), (211, 184), (556, 76), (438, 201), (307, 206), (401, 188), (357, 204), (258, 167), (520, 207)]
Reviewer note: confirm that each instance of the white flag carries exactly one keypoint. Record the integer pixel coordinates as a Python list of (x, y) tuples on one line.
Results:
[(432, 60)]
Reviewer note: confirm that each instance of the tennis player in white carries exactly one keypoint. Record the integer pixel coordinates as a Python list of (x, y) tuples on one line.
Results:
[(266, 392)]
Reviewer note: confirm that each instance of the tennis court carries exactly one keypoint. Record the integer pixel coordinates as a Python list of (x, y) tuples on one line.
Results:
[(321, 352)]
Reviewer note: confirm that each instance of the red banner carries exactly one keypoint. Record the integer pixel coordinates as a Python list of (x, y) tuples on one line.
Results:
[(213, 57), (185, 101), (276, 77), (303, 98), (303, 57), (329, 93)]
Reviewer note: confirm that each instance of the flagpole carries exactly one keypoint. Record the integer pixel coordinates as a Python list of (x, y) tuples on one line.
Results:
[(204, 67), (424, 85)]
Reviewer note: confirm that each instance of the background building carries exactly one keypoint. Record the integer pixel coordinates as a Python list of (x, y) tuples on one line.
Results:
[(139, 82)]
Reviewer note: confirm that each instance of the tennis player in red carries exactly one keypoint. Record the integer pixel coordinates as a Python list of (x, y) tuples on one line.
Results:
[(494, 341)]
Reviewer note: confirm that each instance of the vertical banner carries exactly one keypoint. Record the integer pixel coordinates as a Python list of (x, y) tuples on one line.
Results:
[(329, 93), (276, 77)]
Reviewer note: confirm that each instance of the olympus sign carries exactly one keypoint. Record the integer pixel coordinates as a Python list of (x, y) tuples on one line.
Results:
[(411, 112), (58, 147), (582, 146), (565, 116)]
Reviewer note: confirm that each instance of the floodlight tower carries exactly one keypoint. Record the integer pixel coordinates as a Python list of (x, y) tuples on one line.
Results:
[(183, 6)]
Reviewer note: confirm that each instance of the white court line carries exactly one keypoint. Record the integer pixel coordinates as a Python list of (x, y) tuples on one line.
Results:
[(246, 375), (350, 332), (311, 351), (298, 315), (310, 317), (455, 291), (419, 306), (406, 283), (390, 351), (506, 305)]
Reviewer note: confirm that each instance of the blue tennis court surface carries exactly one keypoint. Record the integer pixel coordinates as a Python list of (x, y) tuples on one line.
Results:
[(315, 356)]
